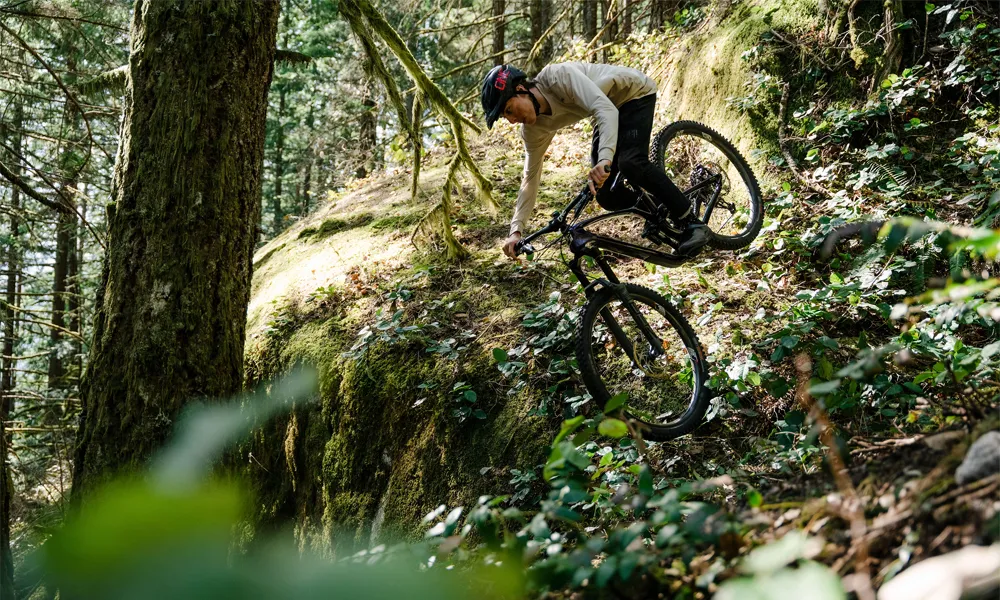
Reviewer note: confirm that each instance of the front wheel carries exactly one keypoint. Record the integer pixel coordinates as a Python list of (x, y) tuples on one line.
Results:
[(716, 179), (662, 370)]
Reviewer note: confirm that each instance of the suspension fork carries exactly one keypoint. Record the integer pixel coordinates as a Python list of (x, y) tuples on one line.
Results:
[(619, 290)]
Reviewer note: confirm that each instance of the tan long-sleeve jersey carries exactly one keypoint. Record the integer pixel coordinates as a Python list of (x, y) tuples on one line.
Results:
[(575, 91)]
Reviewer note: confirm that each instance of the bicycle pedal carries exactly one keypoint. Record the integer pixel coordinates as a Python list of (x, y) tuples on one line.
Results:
[(652, 233)]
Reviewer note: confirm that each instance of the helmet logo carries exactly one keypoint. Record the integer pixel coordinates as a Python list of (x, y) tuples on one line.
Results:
[(501, 82)]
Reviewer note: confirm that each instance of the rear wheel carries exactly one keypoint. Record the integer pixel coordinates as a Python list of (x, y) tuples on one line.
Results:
[(664, 377), (729, 203)]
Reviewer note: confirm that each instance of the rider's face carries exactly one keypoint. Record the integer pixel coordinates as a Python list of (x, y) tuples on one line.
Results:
[(519, 109)]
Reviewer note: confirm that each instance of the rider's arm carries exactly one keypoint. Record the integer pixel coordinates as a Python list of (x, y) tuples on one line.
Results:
[(535, 145), (583, 92)]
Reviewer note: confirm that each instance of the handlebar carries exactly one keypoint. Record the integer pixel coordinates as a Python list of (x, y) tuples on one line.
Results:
[(557, 223), (558, 219)]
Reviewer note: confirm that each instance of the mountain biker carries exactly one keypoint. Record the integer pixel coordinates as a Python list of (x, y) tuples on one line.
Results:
[(621, 101)]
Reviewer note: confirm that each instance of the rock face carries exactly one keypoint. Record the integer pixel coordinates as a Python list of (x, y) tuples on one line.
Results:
[(982, 459)]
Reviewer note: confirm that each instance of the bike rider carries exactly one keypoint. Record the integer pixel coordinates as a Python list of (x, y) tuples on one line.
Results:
[(621, 101)]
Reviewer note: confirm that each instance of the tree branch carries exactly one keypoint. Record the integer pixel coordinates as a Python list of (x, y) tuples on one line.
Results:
[(29, 191)]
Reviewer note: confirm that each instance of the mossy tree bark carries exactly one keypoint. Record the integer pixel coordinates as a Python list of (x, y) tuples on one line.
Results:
[(187, 188), (893, 53), (368, 124)]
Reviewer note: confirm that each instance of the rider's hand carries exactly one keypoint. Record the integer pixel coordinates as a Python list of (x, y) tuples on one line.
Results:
[(508, 244), (597, 175)]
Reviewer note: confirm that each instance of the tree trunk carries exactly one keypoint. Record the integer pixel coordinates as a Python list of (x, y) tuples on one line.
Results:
[(627, 17), (499, 30), (187, 189), (279, 166), (310, 158), (541, 16), (661, 13), (75, 290), (610, 23), (589, 19), (307, 185), (367, 126), (64, 248), (7, 366), (69, 166), (893, 54)]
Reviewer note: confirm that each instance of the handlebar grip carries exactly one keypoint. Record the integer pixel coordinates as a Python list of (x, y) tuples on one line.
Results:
[(523, 247), (607, 168)]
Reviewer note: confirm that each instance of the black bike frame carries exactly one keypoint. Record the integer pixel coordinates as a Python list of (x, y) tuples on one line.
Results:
[(583, 243)]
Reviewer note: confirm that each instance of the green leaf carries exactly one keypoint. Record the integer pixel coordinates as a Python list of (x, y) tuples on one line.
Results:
[(614, 428), (584, 436), (479, 414), (606, 571), (810, 580), (753, 378), (827, 387), (766, 559), (568, 427), (786, 186), (754, 498), (616, 402), (500, 355), (470, 395), (789, 341), (646, 481)]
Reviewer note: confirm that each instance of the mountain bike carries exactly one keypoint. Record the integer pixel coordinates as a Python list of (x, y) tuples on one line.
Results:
[(630, 339)]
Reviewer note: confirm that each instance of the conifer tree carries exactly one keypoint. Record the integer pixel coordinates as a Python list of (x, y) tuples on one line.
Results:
[(172, 310)]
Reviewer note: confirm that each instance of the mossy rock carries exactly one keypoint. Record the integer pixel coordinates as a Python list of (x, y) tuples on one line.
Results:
[(368, 460)]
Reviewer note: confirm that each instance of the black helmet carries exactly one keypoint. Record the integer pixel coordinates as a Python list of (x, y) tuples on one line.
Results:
[(499, 87)]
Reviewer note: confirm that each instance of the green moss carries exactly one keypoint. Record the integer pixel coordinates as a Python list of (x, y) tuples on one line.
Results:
[(367, 442), (396, 222), (332, 226), (263, 260)]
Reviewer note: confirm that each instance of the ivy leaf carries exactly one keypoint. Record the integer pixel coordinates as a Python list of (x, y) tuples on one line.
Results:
[(500, 355), (827, 387), (614, 428), (568, 427), (616, 402), (645, 481), (773, 556)]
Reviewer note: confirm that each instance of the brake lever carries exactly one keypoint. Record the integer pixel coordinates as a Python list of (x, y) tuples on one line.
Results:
[(523, 248)]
